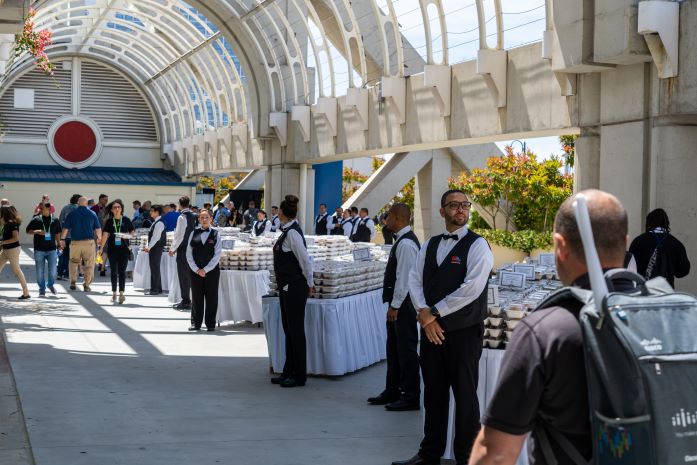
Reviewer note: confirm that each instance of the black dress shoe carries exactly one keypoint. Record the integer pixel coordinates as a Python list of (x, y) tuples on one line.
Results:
[(211, 329), (194, 328), (382, 399), (402, 406), (182, 306), (417, 460), (278, 379), (291, 382), (154, 293)]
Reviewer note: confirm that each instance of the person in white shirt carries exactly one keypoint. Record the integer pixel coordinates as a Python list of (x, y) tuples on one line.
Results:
[(403, 384), (448, 287), (323, 222), (157, 238), (295, 281), (337, 228), (182, 232), (364, 229), (262, 225), (203, 255), (275, 220), (347, 223)]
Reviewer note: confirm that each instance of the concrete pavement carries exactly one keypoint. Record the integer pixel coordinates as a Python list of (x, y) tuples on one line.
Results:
[(104, 384)]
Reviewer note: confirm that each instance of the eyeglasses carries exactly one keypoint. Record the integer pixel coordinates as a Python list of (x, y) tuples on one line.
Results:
[(454, 206), (116, 207)]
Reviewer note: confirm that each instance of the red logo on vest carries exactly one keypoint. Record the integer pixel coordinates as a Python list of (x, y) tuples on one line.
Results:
[(455, 260)]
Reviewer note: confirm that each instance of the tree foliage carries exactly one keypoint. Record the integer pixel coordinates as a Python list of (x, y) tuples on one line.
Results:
[(568, 146), (222, 185)]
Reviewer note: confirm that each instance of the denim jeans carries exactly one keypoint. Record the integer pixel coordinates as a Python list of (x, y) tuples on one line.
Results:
[(39, 258)]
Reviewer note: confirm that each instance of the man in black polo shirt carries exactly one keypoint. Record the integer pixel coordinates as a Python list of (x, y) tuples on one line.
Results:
[(46, 231), (542, 378), (448, 286)]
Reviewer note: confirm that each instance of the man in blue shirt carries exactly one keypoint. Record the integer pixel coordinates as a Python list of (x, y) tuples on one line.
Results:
[(221, 216), (83, 227), (170, 217)]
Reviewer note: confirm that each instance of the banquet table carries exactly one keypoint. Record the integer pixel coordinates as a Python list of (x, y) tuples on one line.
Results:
[(343, 335), (141, 271), (239, 294)]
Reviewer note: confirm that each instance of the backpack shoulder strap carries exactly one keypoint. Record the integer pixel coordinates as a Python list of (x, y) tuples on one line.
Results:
[(571, 298)]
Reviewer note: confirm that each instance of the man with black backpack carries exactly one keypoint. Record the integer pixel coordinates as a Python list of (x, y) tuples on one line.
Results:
[(542, 384)]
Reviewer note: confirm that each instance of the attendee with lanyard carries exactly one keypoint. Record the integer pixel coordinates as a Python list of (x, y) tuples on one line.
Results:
[(275, 220), (185, 226), (9, 233), (64, 259), (403, 384), (47, 232), (262, 225), (116, 228), (157, 238), (364, 228), (323, 222), (203, 255), (84, 227), (294, 279), (337, 228), (347, 224), (45, 199), (448, 286)]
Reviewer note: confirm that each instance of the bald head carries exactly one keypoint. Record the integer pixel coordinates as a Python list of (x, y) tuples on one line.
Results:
[(398, 217), (82, 201), (608, 222)]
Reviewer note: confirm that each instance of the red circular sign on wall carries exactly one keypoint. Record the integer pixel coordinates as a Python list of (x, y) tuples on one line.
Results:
[(75, 141)]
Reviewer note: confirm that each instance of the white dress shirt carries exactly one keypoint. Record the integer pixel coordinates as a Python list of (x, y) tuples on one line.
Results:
[(480, 261), (275, 223), (330, 224), (179, 231), (406, 253), (216, 256), (157, 229), (347, 224), (294, 243), (267, 228)]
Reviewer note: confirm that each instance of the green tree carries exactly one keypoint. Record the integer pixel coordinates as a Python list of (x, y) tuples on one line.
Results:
[(568, 146)]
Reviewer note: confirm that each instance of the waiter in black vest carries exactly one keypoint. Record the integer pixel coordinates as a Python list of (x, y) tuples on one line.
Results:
[(364, 230), (402, 385), (261, 225), (448, 286), (157, 238), (323, 222), (336, 219), (293, 270), (203, 255), (185, 226)]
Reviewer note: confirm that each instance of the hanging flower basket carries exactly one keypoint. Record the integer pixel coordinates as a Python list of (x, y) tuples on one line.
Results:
[(34, 43)]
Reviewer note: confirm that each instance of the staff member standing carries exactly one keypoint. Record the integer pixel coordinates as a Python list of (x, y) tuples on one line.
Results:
[(9, 232), (83, 227), (323, 222), (46, 231), (157, 238), (448, 286), (336, 219), (118, 247), (262, 225), (203, 255), (185, 226), (402, 384), (293, 270), (364, 230), (275, 220), (347, 224)]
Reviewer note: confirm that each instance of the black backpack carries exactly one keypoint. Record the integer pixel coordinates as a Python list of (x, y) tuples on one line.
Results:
[(641, 367)]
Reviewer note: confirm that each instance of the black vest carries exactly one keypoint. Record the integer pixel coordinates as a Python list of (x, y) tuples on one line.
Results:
[(275, 228), (391, 270), (440, 281), (190, 225), (321, 225), (163, 238), (362, 233), (337, 228), (285, 264), (203, 253), (259, 227)]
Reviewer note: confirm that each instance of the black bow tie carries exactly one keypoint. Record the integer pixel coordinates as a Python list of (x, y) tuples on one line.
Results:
[(451, 236)]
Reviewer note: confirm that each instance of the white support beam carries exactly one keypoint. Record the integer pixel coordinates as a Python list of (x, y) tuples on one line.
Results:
[(328, 108), (358, 99), (394, 89), (659, 22), (279, 122), (439, 79), (493, 66), (301, 114)]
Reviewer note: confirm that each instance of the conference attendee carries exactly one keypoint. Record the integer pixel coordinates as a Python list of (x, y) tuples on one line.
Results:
[(203, 256), (64, 259), (448, 287), (364, 229), (45, 199), (207, 206), (337, 228), (84, 227), (5, 203), (275, 220), (114, 236), (47, 232), (249, 215), (170, 216), (657, 252), (294, 279), (388, 235), (145, 216), (100, 207), (402, 383), (157, 238), (543, 376), (221, 215), (185, 226), (262, 225), (323, 222), (9, 235), (136, 210), (347, 223)]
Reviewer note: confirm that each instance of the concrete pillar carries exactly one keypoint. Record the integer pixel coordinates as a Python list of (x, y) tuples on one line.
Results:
[(431, 183), (282, 180)]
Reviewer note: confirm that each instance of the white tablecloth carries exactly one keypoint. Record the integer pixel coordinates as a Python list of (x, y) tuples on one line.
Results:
[(239, 294), (141, 272), (343, 335)]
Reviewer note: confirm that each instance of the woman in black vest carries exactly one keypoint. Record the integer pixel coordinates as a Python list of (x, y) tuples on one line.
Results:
[(117, 248), (157, 238), (262, 225), (293, 271), (203, 255)]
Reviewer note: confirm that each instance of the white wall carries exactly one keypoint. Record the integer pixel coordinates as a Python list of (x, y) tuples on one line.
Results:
[(37, 154)]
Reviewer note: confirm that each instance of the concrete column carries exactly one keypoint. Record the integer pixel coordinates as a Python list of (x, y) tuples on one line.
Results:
[(587, 161), (431, 182)]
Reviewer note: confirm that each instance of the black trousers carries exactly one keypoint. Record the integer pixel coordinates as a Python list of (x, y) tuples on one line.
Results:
[(204, 297), (184, 275), (293, 302), (454, 364), (64, 260), (118, 262), (154, 257), (403, 378)]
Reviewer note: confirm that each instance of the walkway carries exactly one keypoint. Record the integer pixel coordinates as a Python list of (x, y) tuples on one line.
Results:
[(108, 385)]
